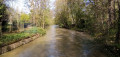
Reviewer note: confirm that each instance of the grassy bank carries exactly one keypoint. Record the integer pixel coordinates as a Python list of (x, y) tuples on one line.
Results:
[(14, 37)]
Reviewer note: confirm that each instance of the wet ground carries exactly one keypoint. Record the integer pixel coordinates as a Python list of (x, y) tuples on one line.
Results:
[(57, 42)]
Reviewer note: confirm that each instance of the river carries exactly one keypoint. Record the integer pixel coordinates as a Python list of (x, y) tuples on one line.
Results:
[(58, 42)]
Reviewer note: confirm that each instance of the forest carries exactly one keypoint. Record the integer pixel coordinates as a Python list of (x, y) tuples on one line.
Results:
[(98, 18)]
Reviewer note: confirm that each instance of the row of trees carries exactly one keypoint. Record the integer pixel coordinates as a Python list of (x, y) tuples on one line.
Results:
[(40, 12), (100, 18), (72, 11), (11, 19)]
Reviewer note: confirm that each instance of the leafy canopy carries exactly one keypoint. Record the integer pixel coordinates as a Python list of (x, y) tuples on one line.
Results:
[(25, 17)]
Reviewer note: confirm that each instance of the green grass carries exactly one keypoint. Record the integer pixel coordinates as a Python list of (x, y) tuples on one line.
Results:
[(35, 30), (14, 37)]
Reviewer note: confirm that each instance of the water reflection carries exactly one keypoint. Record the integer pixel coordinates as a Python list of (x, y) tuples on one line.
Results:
[(58, 42)]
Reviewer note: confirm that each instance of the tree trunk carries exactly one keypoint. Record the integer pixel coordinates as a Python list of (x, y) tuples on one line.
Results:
[(43, 22), (0, 29), (118, 27), (111, 11)]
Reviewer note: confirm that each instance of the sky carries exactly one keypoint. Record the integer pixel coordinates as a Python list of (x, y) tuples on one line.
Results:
[(52, 4), (20, 5)]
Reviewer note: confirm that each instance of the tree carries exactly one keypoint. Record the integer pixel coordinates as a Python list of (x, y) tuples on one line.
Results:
[(3, 17), (24, 17), (40, 12), (117, 40)]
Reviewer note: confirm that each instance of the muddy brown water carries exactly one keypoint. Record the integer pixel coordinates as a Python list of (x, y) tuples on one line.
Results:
[(57, 42)]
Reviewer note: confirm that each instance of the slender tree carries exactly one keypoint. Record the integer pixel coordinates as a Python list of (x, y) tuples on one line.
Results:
[(118, 24)]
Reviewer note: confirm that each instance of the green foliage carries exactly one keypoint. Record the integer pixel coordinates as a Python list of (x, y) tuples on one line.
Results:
[(69, 13), (40, 13), (11, 38), (35, 30), (62, 19), (99, 18), (3, 13), (24, 17)]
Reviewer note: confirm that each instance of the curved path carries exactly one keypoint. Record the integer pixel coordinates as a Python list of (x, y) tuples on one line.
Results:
[(57, 42)]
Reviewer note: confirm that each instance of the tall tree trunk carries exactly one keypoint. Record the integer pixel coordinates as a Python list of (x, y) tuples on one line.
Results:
[(118, 27), (17, 23), (43, 22), (0, 29), (111, 11), (111, 15)]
